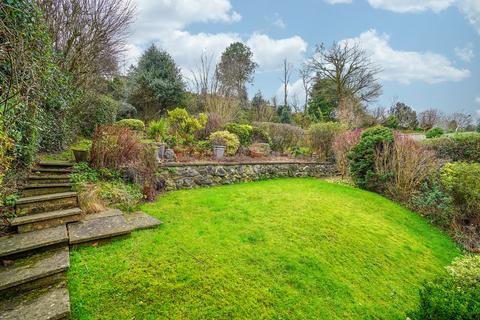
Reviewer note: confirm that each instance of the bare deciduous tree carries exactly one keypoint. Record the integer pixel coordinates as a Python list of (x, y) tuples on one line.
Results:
[(88, 34), (429, 118), (287, 73), (458, 121), (349, 67), (307, 80)]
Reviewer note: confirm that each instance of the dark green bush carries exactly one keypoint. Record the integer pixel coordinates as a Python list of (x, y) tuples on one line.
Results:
[(126, 111), (362, 158), (455, 295), (459, 147), (96, 110), (132, 124), (434, 133), (243, 131)]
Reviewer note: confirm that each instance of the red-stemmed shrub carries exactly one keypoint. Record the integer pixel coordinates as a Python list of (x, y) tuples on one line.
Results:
[(342, 144)]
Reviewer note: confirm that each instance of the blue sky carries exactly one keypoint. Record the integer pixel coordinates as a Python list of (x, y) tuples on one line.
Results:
[(428, 50)]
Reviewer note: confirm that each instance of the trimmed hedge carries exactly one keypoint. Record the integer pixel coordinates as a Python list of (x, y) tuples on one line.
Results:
[(132, 124), (459, 147)]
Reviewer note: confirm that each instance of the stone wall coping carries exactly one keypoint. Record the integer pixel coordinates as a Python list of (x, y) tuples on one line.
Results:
[(199, 164)]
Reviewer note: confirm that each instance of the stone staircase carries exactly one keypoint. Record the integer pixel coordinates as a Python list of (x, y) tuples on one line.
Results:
[(35, 260)]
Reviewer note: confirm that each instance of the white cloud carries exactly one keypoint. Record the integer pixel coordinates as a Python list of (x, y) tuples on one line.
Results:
[(278, 22), (408, 66), (338, 1), (477, 100), (295, 92), (411, 5), (471, 10), (269, 53), (466, 53), (176, 14)]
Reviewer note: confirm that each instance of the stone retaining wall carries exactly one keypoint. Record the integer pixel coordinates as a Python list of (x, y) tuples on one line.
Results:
[(175, 176)]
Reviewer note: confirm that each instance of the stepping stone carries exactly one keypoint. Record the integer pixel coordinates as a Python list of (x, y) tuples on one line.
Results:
[(103, 214), (45, 220), (36, 267), (41, 304), (96, 229), (46, 202), (24, 242), (141, 220)]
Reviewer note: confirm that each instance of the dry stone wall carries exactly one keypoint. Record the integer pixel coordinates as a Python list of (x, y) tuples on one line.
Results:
[(174, 176)]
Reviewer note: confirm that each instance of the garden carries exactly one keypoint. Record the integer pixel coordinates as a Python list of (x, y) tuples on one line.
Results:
[(333, 209)]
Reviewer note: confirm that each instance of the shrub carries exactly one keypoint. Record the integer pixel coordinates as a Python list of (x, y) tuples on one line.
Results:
[(321, 136), (157, 130), (362, 158), (132, 124), (391, 122), (259, 135), (462, 181), (115, 147), (455, 295), (96, 110), (6, 158), (243, 131), (283, 136), (434, 133), (404, 164), (183, 126), (459, 147), (126, 111), (214, 123), (342, 145), (227, 139)]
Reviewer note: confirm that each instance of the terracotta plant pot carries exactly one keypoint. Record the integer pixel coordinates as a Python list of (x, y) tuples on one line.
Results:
[(218, 152), (81, 155)]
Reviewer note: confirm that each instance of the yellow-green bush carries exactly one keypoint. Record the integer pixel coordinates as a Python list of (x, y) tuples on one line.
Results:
[(132, 124), (227, 139)]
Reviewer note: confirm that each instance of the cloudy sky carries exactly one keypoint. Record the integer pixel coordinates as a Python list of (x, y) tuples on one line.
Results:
[(429, 50)]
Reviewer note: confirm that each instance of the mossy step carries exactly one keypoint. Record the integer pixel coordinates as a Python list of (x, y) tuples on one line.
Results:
[(46, 197), (46, 219), (32, 269), (97, 229), (40, 189), (140, 220), (48, 177), (50, 303), (54, 163), (25, 242)]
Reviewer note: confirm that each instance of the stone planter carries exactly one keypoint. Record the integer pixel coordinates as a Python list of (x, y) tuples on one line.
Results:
[(159, 148), (218, 151), (81, 155)]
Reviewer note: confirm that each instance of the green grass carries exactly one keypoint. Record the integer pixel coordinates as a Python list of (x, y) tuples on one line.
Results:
[(278, 249)]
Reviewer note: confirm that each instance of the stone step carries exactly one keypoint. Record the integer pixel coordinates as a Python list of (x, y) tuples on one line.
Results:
[(45, 220), (39, 270), (47, 179), (98, 229), (50, 170), (51, 303), (140, 220), (46, 202), (40, 189), (23, 243), (55, 164)]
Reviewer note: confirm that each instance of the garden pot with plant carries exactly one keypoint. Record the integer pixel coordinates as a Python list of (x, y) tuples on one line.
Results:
[(224, 143), (81, 155), (218, 151)]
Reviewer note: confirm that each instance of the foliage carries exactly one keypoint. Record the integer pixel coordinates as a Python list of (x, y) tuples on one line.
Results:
[(121, 195), (301, 151), (342, 145), (404, 165), (284, 114), (262, 111), (157, 130), (214, 123), (260, 135), (321, 106), (227, 139), (406, 116), (6, 158), (283, 136), (183, 126), (244, 132), (307, 232), (462, 181), (392, 122), (132, 124), (96, 110), (458, 147), (235, 69), (126, 111), (114, 147), (321, 136), (434, 133), (455, 295), (157, 84), (362, 158)]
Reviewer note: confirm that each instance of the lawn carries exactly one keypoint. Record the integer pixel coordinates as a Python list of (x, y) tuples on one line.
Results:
[(278, 249)]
